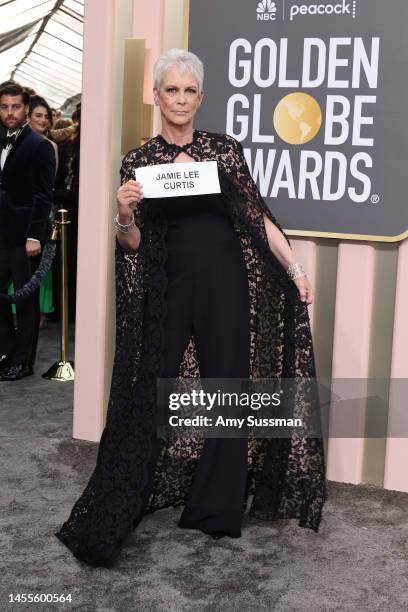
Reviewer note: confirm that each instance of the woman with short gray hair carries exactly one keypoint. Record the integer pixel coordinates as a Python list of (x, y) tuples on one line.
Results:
[(206, 286), (184, 60)]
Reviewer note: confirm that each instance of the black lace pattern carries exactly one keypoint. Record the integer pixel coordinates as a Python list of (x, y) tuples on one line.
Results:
[(286, 476)]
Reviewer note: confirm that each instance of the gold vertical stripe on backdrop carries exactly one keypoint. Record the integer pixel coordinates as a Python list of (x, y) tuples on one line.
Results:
[(147, 122), (132, 117)]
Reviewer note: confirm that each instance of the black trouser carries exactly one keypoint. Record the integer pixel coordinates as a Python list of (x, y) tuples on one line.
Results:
[(18, 268), (211, 301)]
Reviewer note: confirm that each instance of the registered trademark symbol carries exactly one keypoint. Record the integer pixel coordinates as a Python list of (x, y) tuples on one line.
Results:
[(375, 198)]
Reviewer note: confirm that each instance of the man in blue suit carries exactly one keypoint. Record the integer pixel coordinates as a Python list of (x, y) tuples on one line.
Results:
[(27, 172)]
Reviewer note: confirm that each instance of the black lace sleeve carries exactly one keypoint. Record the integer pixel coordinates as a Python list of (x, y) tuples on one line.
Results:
[(128, 265), (127, 173), (251, 210), (236, 161)]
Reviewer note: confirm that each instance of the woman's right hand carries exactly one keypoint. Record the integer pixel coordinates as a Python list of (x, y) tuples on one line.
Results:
[(128, 196)]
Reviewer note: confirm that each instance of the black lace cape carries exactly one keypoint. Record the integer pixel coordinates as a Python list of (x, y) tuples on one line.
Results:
[(287, 475)]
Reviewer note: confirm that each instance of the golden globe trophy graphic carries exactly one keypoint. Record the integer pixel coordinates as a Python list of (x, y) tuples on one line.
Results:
[(297, 118)]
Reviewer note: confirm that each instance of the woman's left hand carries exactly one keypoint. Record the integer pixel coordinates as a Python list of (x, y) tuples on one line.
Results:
[(305, 289)]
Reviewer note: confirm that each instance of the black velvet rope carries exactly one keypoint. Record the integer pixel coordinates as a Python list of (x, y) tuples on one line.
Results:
[(28, 289)]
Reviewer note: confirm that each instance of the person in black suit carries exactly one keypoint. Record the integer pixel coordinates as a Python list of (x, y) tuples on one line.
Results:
[(27, 171)]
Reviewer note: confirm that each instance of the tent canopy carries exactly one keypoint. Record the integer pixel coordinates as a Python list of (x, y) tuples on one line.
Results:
[(41, 46)]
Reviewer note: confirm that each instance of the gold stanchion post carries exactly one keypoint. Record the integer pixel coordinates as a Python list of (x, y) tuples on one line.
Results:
[(63, 370)]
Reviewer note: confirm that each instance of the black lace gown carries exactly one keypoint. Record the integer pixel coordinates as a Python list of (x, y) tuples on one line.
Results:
[(136, 473)]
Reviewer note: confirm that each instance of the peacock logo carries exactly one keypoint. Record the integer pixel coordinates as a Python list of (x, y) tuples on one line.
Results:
[(266, 10)]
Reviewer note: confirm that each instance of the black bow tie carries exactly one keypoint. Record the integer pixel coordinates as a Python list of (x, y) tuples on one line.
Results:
[(7, 140)]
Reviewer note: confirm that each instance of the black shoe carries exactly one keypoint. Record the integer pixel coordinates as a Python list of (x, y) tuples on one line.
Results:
[(5, 362), (16, 372)]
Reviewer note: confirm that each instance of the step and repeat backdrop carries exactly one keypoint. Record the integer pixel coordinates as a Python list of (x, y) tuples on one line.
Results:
[(317, 93)]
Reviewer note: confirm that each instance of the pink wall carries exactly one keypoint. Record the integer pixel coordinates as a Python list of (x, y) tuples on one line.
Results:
[(396, 455), (94, 208), (106, 25), (351, 350)]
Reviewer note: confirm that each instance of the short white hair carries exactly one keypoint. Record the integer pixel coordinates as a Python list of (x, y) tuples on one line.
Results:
[(185, 60)]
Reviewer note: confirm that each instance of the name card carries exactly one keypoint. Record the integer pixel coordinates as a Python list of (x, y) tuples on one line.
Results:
[(179, 179)]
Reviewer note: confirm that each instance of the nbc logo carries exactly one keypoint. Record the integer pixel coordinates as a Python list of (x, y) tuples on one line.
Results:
[(266, 10)]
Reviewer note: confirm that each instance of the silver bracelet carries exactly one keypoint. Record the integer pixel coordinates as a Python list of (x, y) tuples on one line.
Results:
[(295, 270), (124, 227)]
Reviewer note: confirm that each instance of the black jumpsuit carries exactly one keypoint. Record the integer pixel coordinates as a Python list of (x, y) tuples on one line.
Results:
[(207, 296)]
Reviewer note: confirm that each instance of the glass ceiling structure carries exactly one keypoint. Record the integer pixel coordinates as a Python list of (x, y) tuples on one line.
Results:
[(41, 46)]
